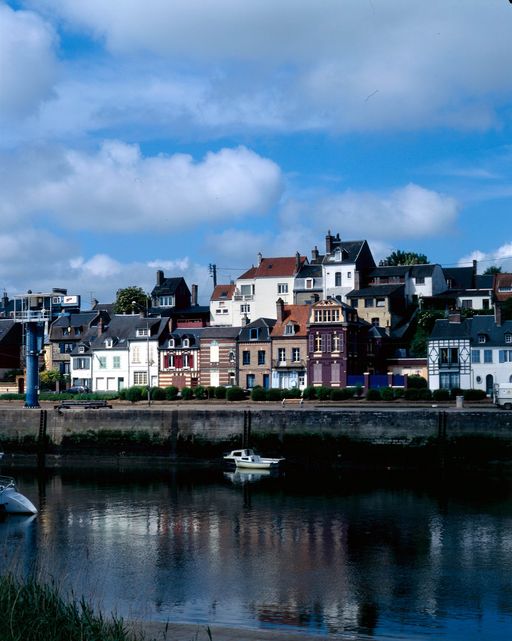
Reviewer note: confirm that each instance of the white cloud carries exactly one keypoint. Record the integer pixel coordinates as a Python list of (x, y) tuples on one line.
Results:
[(28, 64), (500, 257), (119, 189), (289, 66), (408, 212)]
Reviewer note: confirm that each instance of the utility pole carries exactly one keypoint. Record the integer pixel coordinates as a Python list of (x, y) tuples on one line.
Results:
[(213, 272)]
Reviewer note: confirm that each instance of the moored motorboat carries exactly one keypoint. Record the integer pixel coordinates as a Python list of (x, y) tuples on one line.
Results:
[(247, 458), (12, 501)]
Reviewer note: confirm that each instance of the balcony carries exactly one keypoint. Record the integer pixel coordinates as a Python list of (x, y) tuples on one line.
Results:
[(244, 298), (288, 364)]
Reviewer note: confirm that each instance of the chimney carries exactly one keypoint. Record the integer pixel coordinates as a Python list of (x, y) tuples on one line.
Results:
[(454, 316), (5, 299), (328, 243), (314, 254), (100, 325), (194, 295), (159, 277), (497, 314), (280, 310), (474, 273), (245, 320), (260, 257), (297, 262)]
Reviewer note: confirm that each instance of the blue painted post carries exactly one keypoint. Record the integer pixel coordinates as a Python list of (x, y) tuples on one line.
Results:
[(33, 341)]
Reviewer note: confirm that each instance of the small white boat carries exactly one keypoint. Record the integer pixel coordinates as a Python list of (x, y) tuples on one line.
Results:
[(11, 501), (248, 459)]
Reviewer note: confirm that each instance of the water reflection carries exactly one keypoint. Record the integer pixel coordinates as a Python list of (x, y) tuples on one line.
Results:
[(330, 556)]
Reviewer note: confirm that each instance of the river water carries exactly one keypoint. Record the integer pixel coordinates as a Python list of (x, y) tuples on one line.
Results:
[(380, 555)]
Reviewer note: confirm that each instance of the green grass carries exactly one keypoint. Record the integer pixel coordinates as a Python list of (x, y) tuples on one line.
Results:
[(34, 611)]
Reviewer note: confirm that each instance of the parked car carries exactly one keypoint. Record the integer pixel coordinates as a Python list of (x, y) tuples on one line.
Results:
[(76, 389)]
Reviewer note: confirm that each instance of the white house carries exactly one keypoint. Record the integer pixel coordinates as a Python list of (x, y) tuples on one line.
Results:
[(343, 266)]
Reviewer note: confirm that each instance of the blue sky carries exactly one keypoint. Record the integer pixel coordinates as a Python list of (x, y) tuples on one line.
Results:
[(171, 134)]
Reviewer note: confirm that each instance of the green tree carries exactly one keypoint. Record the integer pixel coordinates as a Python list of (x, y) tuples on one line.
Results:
[(48, 378), (424, 325), (493, 269), (400, 257), (131, 299)]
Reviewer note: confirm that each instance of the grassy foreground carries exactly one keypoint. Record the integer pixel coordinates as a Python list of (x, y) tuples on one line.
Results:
[(33, 611)]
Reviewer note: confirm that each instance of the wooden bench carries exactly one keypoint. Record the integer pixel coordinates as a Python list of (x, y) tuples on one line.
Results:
[(89, 405), (293, 401)]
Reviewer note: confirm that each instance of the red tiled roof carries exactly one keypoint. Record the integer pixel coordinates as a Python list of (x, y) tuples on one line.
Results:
[(504, 282), (274, 267), (296, 314), (223, 292)]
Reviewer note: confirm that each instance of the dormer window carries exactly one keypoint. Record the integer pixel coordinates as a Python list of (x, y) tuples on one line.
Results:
[(171, 342), (289, 329), (186, 342), (337, 255), (253, 334), (108, 343), (166, 301), (142, 331), (309, 283), (81, 349), (482, 338), (508, 338)]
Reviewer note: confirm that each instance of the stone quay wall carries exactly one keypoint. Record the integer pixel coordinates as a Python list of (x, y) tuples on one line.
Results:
[(305, 433)]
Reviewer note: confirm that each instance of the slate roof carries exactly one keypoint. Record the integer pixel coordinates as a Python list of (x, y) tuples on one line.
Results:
[(79, 319), (444, 329), (223, 292), (461, 277), (194, 335), (220, 332), (274, 268), (122, 328), (386, 271), (377, 290), (350, 250), (310, 271), (6, 325), (422, 271), (168, 287), (264, 325), (486, 325)]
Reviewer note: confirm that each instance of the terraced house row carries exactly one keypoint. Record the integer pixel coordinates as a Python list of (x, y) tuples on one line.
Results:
[(287, 322)]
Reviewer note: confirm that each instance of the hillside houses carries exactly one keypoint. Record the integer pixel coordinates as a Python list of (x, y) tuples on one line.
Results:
[(289, 322)]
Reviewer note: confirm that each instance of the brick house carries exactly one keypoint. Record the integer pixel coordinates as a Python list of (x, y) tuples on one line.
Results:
[(255, 353), (218, 356), (179, 358), (289, 346)]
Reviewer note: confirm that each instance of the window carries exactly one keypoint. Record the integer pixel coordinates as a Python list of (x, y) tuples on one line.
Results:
[(231, 356), (253, 334), (103, 362), (136, 354), (368, 302), (466, 303), (318, 343), (419, 280), (81, 349), (282, 288), (65, 348), (261, 357), (349, 275), (214, 352), (296, 354), (309, 283), (246, 290), (376, 322), (289, 329), (475, 355), (116, 362), (449, 380), (281, 354), (250, 381), (355, 302), (245, 309), (171, 342), (186, 342), (166, 301), (246, 357), (487, 355), (108, 343), (142, 331), (337, 279), (381, 302), (449, 356), (508, 338), (81, 363), (482, 338), (140, 378), (505, 355), (335, 342), (327, 315), (66, 331)]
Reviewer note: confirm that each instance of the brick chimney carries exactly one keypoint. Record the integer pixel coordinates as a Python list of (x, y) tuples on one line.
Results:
[(314, 254), (328, 242), (260, 258), (194, 296), (280, 310), (475, 265), (297, 261), (159, 277), (497, 314), (100, 326), (454, 316)]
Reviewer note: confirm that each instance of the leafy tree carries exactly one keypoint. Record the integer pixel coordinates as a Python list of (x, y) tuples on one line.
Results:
[(131, 299), (48, 378), (400, 257), (493, 269), (424, 326)]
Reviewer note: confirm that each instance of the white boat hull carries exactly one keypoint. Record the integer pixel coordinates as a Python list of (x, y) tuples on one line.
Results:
[(258, 465), (12, 501), (248, 459)]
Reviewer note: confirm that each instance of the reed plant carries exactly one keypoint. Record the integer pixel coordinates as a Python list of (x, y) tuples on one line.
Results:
[(35, 611)]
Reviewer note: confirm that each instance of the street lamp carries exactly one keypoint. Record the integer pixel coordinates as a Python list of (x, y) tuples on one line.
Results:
[(148, 369)]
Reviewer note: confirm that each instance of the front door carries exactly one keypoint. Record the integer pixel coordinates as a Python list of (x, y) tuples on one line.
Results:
[(266, 381), (489, 384)]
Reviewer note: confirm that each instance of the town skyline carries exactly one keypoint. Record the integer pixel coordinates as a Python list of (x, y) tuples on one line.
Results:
[(172, 136)]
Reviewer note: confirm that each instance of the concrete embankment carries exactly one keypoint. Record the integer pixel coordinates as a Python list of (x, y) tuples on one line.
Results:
[(309, 434)]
